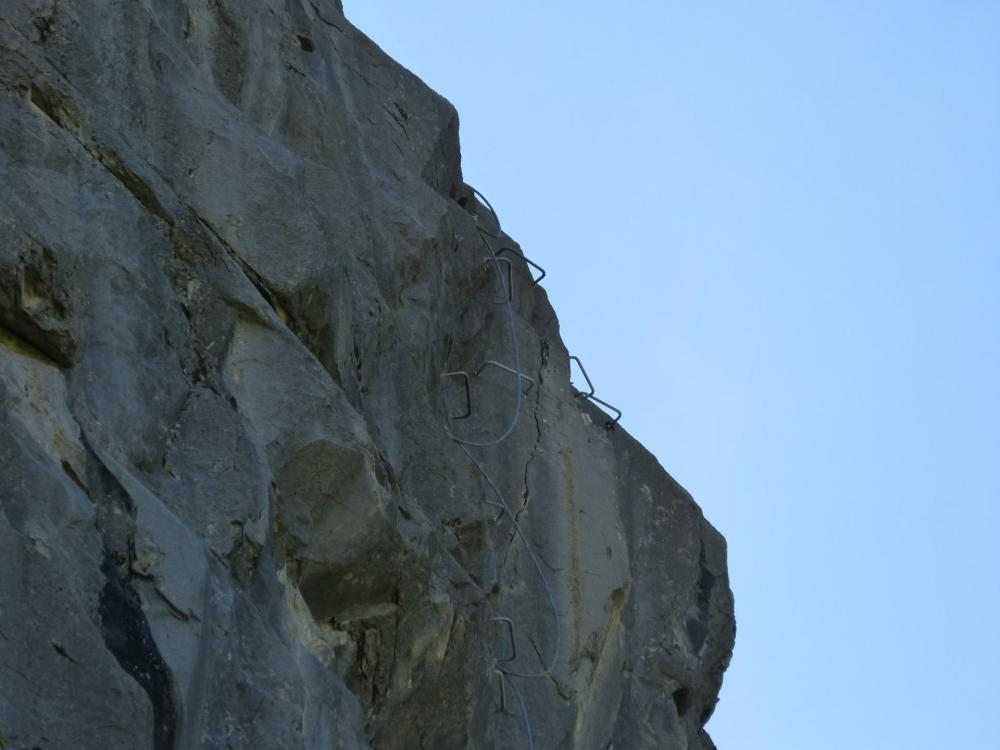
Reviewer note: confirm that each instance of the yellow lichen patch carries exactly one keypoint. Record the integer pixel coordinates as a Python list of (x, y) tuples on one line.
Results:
[(33, 298), (36, 396), (334, 648)]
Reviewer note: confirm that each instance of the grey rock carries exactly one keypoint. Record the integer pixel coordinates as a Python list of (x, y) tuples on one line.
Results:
[(236, 256)]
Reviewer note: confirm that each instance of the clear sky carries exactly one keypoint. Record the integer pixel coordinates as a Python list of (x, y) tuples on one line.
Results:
[(772, 232)]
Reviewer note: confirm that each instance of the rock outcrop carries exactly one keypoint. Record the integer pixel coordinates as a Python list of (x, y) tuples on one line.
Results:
[(236, 258)]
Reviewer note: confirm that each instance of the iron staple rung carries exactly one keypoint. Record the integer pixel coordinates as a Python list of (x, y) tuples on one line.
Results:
[(527, 260), (503, 689), (513, 657), (590, 396), (585, 376), (611, 424), (468, 391), (505, 368), (467, 383), (510, 278)]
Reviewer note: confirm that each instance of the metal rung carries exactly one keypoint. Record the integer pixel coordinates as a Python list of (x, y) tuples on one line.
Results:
[(494, 363), (609, 425), (468, 391), (527, 260), (510, 632), (591, 397), (586, 377), (467, 383), (509, 297), (503, 690)]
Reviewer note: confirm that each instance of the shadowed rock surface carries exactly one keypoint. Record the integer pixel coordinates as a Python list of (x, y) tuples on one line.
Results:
[(236, 256)]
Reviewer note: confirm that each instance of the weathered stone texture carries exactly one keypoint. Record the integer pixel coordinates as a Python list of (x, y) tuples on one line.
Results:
[(236, 255)]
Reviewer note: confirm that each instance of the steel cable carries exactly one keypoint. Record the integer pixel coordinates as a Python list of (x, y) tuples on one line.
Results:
[(502, 502), (547, 671)]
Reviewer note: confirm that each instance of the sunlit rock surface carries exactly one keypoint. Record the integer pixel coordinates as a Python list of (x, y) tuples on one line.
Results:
[(236, 256)]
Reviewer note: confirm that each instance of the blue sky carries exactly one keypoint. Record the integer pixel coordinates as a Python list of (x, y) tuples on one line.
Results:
[(772, 232)]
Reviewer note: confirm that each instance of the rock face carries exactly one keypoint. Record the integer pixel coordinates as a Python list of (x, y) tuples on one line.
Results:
[(237, 258)]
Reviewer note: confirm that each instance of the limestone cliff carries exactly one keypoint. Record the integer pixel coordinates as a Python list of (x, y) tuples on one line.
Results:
[(240, 507)]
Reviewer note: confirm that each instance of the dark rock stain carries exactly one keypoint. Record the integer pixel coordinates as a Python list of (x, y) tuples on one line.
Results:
[(682, 700), (696, 623), (127, 636), (229, 64)]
